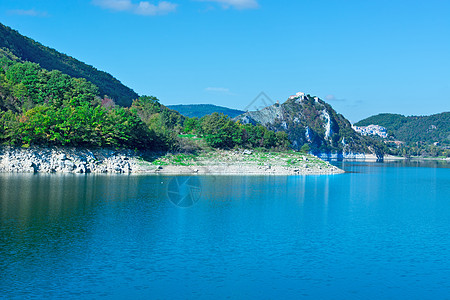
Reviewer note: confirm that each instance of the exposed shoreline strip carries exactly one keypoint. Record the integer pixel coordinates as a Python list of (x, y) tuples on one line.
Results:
[(220, 162)]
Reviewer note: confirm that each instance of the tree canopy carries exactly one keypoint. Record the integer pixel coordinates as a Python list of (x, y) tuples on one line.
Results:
[(41, 107)]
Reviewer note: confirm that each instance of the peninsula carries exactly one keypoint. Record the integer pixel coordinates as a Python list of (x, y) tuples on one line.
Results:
[(59, 115)]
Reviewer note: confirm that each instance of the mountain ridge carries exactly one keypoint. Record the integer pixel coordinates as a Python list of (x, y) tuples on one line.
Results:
[(200, 110)]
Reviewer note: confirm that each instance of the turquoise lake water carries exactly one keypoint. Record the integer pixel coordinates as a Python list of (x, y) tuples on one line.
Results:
[(381, 231)]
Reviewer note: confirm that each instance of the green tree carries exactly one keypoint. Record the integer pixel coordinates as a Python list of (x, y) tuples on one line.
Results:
[(305, 148), (270, 139), (190, 125)]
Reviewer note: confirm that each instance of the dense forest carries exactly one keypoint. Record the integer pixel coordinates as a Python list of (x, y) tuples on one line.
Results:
[(201, 110), (415, 135), (25, 49), (41, 107)]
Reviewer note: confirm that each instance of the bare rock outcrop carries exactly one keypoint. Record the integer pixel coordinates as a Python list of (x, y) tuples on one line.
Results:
[(66, 160)]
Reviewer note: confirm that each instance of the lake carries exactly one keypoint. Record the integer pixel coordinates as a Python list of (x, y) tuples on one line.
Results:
[(380, 231)]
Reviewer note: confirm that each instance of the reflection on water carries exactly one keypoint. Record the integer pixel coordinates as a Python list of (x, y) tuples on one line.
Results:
[(379, 231), (405, 163), (50, 197)]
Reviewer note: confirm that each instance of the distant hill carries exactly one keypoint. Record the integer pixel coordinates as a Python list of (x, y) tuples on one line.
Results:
[(426, 129), (200, 110), (389, 121), (27, 49), (310, 120)]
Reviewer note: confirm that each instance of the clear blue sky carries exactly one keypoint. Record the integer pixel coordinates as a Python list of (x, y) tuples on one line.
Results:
[(364, 57)]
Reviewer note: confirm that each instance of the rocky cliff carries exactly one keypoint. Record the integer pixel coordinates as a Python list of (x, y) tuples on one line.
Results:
[(310, 120)]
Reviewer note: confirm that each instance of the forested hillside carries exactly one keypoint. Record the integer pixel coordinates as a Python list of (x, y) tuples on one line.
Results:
[(425, 129), (26, 49), (426, 136)]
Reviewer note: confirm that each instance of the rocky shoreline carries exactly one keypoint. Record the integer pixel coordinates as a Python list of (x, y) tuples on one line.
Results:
[(85, 161), (65, 160)]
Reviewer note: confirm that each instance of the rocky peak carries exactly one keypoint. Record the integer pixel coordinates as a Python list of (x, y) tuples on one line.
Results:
[(310, 120)]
